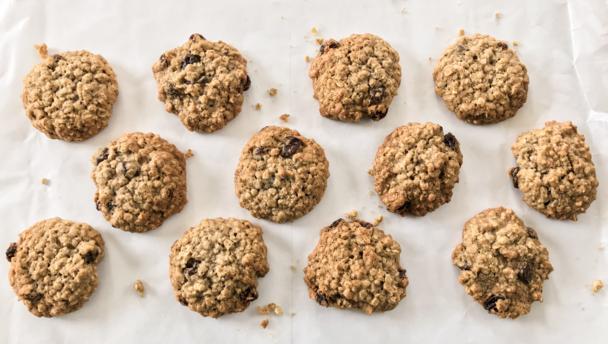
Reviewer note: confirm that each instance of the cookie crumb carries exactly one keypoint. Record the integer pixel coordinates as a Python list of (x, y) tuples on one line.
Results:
[(378, 220), (515, 43), (319, 41), (314, 31), (403, 11), (42, 50), (307, 58), (596, 286), (257, 106), (461, 32), (138, 286), (272, 92), (270, 308), (497, 15), (45, 181), (293, 268), (292, 314), (189, 154), (284, 117), (264, 323), (352, 214)]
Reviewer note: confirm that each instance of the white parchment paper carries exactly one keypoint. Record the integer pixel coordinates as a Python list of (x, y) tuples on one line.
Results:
[(563, 43)]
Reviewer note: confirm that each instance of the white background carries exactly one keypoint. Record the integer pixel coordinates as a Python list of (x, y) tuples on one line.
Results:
[(564, 44)]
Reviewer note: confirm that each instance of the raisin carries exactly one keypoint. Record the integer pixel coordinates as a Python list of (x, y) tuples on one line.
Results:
[(174, 92), (191, 266), (514, 171), (90, 256), (474, 57), (377, 95), (190, 59), (526, 274), (450, 140), (202, 80), (321, 299), (490, 303), (260, 150), (532, 233), (365, 224), (247, 83), (163, 61), (249, 294), (330, 44), (34, 297), (404, 208), (11, 251), (378, 115), (336, 223), (183, 301), (97, 206), (402, 273), (548, 201), (196, 36), (292, 146), (502, 45), (110, 206), (103, 156)]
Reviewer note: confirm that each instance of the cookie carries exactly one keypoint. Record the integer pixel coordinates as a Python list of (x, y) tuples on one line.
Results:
[(202, 82), (356, 265), (69, 96), (215, 265), (416, 168), (140, 180), (481, 80), (53, 266), (554, 170), (502, 263), (356, 77), (281, 174)]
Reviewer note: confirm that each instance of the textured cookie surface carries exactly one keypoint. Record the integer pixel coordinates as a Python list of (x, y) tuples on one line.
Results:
[(481, 80), (356, 265), (69, 96), (554, 171), (140, 180), (356, 77), (215, 265), (202, 82), (53, 266), (416, 167), (503, 264), (281, 175)]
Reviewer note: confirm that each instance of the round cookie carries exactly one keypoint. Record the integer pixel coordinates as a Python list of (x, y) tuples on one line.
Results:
[(481, 80), (416, 168), (140, 180), (53, 266), (554, 170), (69, 96), (356, 77), (281, 174), (356, 265), (502, 263), (202, 82), (215, 265)]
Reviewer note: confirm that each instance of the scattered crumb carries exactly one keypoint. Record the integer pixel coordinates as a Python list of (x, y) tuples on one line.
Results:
[(45, 181), (352, 214), (138, 286), (257, 107), (403, 11), (497, 15), (264, 323), (371, 192), (293, 268), (430, 59), (515, 43), (307, 59), (461, 32), (270, 308), (377, 220), (292, 314), (189, 154), (272, 92), (284, 117), (319, 41), (314, 31), (596, 286)]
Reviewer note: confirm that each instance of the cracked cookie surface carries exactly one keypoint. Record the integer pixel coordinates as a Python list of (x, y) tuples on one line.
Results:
[(140, 180), (481, 80), (202, 82), (281, 174), (355, 77), (554, 170), (69, 96), (416, 168), (53, 266), (503, 264), (356, 265), (215, 265)]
